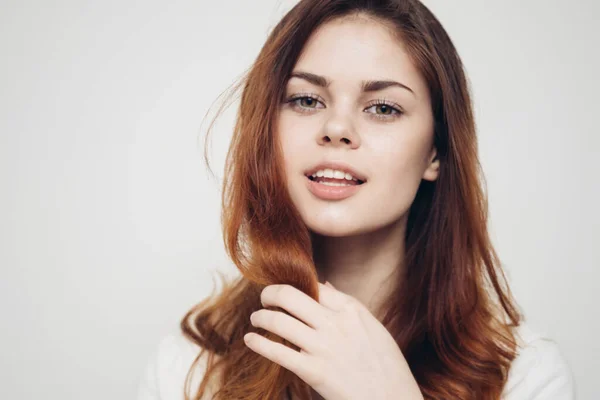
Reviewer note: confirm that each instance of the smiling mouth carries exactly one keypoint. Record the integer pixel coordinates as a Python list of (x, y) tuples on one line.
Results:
[(335, 181)]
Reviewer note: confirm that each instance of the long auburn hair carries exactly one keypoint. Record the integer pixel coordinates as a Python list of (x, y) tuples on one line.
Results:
[(452, 313)]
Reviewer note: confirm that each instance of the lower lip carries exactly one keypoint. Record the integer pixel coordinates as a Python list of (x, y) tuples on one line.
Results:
[(326, 192)]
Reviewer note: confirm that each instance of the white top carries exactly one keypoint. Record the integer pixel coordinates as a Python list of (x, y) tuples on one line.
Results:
[(539, 372)]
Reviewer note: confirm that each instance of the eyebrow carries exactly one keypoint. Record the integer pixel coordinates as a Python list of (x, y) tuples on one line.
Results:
[(366, 86)]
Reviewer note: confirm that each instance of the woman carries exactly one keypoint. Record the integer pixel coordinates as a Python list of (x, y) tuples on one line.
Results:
[(354, 162)]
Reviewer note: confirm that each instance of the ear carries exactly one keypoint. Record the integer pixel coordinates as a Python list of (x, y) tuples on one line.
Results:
[(433, 167)]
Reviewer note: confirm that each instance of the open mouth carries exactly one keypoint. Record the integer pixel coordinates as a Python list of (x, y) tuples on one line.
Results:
[(335, 181)]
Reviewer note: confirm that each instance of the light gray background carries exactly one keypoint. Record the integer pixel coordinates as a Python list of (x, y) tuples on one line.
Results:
[(109, 224)]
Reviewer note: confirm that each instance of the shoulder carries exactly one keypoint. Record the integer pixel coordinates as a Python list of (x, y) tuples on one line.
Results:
[(167, 368), (540, 370)]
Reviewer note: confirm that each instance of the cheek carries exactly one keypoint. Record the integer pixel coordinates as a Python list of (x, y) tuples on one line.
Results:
[(298, 143), (291, 145), (401, 156), (398, 168)]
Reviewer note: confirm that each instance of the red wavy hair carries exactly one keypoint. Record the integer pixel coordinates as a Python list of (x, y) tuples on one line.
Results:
[(452, 313)]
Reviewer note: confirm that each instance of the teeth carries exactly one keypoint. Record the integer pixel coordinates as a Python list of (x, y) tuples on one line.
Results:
[(330, 173), (339, 175), (335, 184)]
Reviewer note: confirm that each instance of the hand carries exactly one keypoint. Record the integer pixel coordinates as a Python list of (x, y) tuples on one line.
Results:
[(345, 352)]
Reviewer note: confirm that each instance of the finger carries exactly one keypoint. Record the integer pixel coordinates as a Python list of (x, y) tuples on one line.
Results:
[(332, 298), (281, 354), (287, 327), (297, 303)]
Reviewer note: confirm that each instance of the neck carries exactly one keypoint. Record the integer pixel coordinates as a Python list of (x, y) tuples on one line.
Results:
[(364, 266)]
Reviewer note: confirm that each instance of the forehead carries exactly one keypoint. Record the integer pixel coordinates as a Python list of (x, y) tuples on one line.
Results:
[(348, 50)]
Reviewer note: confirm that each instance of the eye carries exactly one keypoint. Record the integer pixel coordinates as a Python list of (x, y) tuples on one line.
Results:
[(304, 102), (308, 102), (388, 110)]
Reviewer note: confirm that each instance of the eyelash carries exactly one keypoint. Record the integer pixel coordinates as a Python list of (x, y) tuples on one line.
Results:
[(377, 102)]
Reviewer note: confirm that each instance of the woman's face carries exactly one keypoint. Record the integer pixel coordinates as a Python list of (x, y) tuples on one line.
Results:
[(384, 135)]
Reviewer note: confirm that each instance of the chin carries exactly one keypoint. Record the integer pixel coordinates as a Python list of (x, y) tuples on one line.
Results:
[(335, 228)]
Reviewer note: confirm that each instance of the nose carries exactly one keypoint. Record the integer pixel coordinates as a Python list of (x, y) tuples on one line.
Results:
[(339, 132)]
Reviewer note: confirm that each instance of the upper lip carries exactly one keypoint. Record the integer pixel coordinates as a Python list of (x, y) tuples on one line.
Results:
[(336, 165)]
